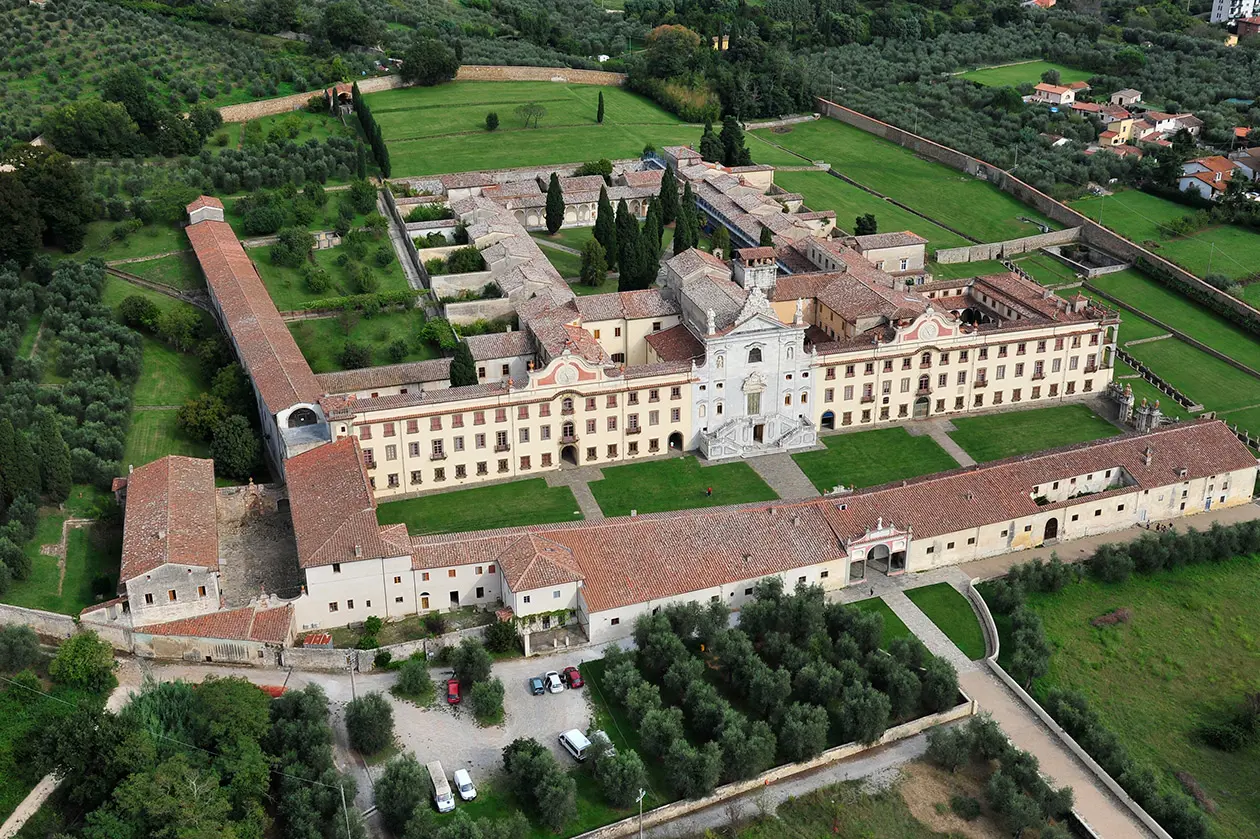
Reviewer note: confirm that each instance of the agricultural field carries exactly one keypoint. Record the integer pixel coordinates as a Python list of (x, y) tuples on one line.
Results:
[(823, 191), (1226, 249), (968, 205), (442, 129), (477, 508), (1028, 72), (322, 340), (996, 436), (868, 458), (1188, 650), (678, 483)]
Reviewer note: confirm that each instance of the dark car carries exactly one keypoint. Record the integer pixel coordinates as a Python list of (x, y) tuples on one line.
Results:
[(452, 691), (572, 677), (536, 686)]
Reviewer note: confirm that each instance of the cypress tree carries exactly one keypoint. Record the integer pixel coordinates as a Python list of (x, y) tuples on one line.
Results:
[(628, 248), (767, 238), (606, 228), (654, 228), (9, 488), (594, 263), (734, 153), (54, 458), (710, 146), (668, 198), (27, 478), (360, 161), (599, 114), (722, 241), (555, 205), (463, 369)]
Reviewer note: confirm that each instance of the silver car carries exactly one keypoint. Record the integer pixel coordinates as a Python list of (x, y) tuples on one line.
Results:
[(552, 679)]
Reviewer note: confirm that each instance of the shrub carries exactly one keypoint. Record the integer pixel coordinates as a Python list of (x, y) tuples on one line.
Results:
[(84, 661), (370, 723), (501, 637), (620, 777), (19, 648), (372, 625), (492, 121), (414, 682), (965, 807), (435, 623), (382, 659), (355, 355), (471, 662), (486, 699)]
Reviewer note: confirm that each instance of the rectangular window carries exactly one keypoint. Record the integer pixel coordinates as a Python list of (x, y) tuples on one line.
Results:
[(439, 450), (481, 372), (479, 417), (450, 572), (544, 410), (483, 468), (632, 448), (461, 471), (457, 421), (505, 370), (336, 567), (479, 441), (590, 426), (391, 452), (332, 607), (590, 403), (459, 444), (503, 465), (654, 417), (435, 424), (675, 414), (439, 474), (612, 423), (544, 433), (392, 481), (524, 463), (633, 398), (612, 451), (546, 460), (500, 414), (500, 441), (413, 449), (415, 476), (962, 377), (615, 621), (365, 432), (201, 590), (413, 426), (523, 434)]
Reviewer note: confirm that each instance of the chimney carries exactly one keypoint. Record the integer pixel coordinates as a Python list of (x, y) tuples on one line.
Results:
[(161, 534), (358, 550), (796, 520), (1147, 453)]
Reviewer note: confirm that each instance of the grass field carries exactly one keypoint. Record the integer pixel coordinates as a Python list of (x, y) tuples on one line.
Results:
[(289, 292), (155, 434), (569, 265), (1017, 74), (763, 150), (167, 377), (1189, 648), (965, 203), (91, 552), (1219, 249), (1143, 389), (322, 340), (964, 270), (1134, 328), (152, 239), (179, 271), (678, 483), (996, 436), (952, 614), (442, 128), (478, 508), (1045, 269), (894, 627), (827, 192), (1204, 378), (867, 458)]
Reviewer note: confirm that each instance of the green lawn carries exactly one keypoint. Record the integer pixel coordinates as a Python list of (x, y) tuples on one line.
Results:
[(91, 552), (867, 458), (289, 292), (965, 203), (1204, 378), (894, 628), (1219, 249), (1189, 649), (823, 191), (996, 436), (442, 128), (569, 265), (1134, 328), (572, 237), (27, 344), (155, 434), (117, 289), (965, 270), (179, 271), (678, 483), (321, 340), (764, 150), (1157, 301), (167, 377), (1247, 418), (1030, 73), (1045, 269), (155, 238), (1142, 389), (952, 614), (502, 505)]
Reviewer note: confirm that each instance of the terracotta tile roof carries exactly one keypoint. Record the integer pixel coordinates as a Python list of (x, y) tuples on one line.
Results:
[(464, 180), (1051, 88), (1210, 179), (104, 604), (499, 345), (582, 183), (646, 178), (267, 350), (248, 623), (390, 375), (755, 253), (204, 201), (676, 344), (694, 260), (1215, 163), (1089, 107), (333, 507), (901, 239), (1079, 85), (171, 516), (341, 407), (645, 303)]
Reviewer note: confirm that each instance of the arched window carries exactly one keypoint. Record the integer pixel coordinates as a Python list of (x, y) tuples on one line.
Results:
[(754, 355), (790, 353), (787, 399), (719, 408), (923, 382), (804, 397), (566, 405), (720, 361), (703, 410), (925, 359), (566, 431)]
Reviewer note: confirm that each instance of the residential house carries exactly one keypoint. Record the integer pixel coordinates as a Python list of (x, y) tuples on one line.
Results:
[(1224, 11), (1053, 94), (1126, 97), (1208, 177)]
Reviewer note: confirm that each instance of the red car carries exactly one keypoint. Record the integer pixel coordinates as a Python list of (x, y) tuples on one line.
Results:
[(572, 677), (452, 691)]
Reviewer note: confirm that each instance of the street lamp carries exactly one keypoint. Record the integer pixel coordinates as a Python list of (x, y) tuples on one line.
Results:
[(639, 800)]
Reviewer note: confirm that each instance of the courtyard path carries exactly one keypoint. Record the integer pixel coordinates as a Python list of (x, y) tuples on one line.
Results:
[(939, 430), (780, 471), (921, 625), (578, 480)]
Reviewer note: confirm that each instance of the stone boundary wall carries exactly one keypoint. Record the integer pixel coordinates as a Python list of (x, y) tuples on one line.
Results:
[(781, 123), (450, 285), (400, 225), (1154, 378), (467, 73), (301, 658), (472, 310), (1093, 233), (660, 815), (54, 625), (1010, 247)]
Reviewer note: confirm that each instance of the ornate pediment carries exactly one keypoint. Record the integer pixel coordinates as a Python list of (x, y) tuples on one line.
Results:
[(755, 304), (928, 327), (755, 383)]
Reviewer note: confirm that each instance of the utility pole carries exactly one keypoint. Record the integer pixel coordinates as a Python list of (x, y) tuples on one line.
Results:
[(345, 811), (642, 793), (1211, 254)]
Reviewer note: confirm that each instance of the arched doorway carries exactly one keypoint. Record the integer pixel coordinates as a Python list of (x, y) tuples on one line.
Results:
[(1052, 530), (301, 417), (921, 407), (829, 419), (424, 600), (877, 557), (569, 455), (676, 441)]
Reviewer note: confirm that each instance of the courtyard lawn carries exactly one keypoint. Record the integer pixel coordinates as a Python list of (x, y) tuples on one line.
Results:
[(91, 552), (510, 504), (570, 237), (1159, 302), (1029, 72), (867, 458), (678, 483), (995, 436), (823, 191), (965, 270), (1188, 651), (117, 289), (1045, 269), (765, 151), (167, 377), (154, 434), (967, 204), (608, 286), (894, 628), (178, 270), (442, 128), (1247, 418), (1142, 389), (289, 292), (322, 339), (952, 614), (1134, 328), (1218, 249), (568, 264), (1204, 378)]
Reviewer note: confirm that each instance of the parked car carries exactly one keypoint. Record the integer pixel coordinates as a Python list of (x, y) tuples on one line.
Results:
[(442, 798), (536, 686), (571, 677), (552, 678), (575, 743), (463, 783), (452, 691)]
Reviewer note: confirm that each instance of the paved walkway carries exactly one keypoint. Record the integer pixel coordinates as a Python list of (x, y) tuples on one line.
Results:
[(780, 471), (578, 480), (939, 430), (921, 625), (397, 237), (556, 246)]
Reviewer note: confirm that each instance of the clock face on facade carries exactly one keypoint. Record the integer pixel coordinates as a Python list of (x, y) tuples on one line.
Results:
[(566, 375), (928, 331)]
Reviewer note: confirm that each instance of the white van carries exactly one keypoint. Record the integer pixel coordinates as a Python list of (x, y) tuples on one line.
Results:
[(463, 783), (575, 743), (441, 789)]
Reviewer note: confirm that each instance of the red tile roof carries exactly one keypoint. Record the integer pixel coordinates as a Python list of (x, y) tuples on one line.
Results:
[(171, 516), (204, 201), (247, 623), (675, 344), (267, 350), (333, 507)]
